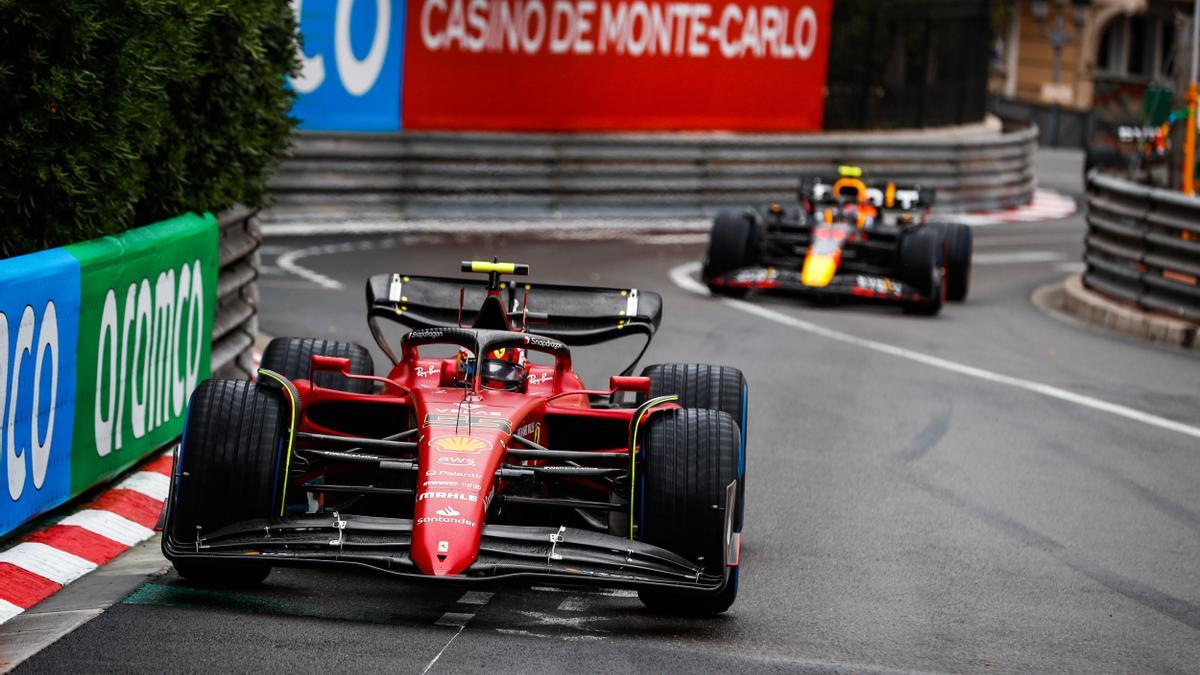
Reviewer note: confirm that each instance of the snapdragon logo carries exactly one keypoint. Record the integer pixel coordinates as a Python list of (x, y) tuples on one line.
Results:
[(35, 345), (148, 354)]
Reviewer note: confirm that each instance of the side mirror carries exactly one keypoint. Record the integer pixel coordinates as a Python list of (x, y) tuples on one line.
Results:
[(625, 383), (330, 364), (927, 198)]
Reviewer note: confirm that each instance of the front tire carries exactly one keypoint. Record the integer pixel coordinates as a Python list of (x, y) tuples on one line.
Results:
[(732, 244), (690, 459), (700, 385), (231, 468), (921, 266), (959, 243)]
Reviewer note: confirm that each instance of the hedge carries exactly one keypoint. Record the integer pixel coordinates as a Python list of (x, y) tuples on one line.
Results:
[(119, 113)]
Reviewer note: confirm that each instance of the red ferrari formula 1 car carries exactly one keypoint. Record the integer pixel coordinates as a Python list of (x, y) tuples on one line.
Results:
[(489, 461), (844, 240)]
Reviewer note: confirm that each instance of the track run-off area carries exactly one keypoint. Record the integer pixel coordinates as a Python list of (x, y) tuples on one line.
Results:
[(995, 489)]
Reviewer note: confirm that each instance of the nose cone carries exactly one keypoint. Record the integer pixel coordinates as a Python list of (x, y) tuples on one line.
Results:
[(818, 269), (446, 533), (453, 490)]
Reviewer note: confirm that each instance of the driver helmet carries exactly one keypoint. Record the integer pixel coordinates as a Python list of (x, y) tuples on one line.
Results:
[(495, 374)]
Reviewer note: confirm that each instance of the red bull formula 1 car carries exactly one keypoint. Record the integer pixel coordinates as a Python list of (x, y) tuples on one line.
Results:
[(844, 240), (488, 461)]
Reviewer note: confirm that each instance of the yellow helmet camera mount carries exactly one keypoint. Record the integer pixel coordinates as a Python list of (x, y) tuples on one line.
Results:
[(494, 269)]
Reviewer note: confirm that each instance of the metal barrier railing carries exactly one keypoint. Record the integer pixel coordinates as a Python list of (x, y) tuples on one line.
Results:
[(683, 175), (1143, 246), (235, 326)]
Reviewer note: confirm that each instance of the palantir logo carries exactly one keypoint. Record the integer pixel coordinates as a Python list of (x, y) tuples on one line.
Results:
[(36, 345), (148, 354)]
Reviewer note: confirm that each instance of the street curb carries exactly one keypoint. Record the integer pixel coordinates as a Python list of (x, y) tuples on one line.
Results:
[(1082, 304), (43, 562)]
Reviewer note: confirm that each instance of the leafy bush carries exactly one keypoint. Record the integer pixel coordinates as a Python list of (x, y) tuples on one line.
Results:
[(119, 113)]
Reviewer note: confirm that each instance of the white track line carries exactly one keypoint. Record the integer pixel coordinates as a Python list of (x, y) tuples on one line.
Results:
[(444, 648), (1016, 257), (682, 277), (287, 262), (474, 599)]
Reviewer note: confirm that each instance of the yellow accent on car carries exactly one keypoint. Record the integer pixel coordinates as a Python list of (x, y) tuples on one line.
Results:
[(637, 423), (465, 444), (818, 270), (889, 199), (291, 434), (501, 267), (847, 171)]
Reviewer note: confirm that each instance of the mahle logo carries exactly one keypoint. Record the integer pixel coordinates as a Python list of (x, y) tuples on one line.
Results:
[(148, 354)]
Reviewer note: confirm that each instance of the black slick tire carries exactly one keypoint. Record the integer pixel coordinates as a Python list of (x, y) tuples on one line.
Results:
[(732, 244), (959, 243), (231, 468), (690, 460), (700, 385), (921, 266), (292, 358)]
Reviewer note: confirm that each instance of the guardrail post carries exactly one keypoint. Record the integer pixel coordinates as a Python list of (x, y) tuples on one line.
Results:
[(236, 324)]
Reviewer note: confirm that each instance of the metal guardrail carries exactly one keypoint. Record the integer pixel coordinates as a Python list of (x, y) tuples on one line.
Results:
[(235, 326), (1143, 246), (494, 174)]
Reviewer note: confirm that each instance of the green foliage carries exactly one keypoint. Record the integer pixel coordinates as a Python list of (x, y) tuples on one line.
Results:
[(119, 113)]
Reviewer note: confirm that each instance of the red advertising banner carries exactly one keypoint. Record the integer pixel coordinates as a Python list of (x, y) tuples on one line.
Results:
[(615, 65)]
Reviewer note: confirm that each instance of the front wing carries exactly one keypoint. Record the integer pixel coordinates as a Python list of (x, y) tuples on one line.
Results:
[(561, 554), (845, 285)]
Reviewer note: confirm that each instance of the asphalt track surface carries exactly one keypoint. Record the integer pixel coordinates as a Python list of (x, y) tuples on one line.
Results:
[(902, 514)]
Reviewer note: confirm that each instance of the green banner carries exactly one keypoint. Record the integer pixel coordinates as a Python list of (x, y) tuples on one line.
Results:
[(147, 301)]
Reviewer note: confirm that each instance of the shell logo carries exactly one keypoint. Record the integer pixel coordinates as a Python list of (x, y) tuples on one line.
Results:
[(460, 444)]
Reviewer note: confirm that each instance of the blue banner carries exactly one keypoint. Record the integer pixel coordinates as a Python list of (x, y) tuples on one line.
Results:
[(39, 321), (352, 59)]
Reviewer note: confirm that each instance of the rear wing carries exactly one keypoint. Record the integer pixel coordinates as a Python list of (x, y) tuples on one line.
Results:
[(885, 195), (574, 315)]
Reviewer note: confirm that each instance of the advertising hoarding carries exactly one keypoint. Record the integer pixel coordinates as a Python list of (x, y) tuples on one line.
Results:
[(351, 61), (609, 65), (101, 344)]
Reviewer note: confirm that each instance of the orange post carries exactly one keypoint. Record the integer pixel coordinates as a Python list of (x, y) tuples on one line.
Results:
[(1189, 146)]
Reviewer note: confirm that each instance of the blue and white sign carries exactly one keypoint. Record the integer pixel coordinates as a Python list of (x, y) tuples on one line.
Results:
[(352, 57), (39, 323)]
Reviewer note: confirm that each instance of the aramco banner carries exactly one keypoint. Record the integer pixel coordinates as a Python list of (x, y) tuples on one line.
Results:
[(101, 343), (575, 65)]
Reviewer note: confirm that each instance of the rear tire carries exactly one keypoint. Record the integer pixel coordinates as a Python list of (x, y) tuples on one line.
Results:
[(700, 385), (231, 468), (292, 358), (732, 245), (959, 242), (690, 458), (921, 266)]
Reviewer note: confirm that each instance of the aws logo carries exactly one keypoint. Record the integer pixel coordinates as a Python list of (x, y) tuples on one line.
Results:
[(464, 444)]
